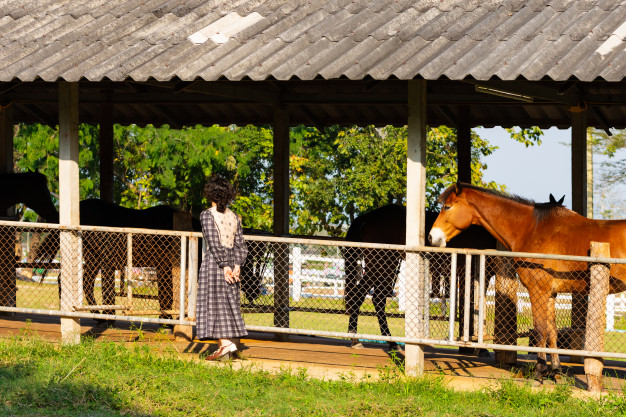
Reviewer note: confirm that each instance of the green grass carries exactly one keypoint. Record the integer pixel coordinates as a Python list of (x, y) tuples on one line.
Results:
[(39, 378)]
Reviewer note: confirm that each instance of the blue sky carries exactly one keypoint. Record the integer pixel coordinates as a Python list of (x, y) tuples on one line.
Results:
[(537, 171)]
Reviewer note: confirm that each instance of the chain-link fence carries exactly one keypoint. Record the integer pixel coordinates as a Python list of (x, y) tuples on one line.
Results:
[(93, 270), (380, 292)]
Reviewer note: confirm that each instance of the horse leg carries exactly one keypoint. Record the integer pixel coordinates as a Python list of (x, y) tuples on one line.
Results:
[(386, 272), (108, 287), (353, 308), (555, 362), (379, 299), (89, 280), (539, 302), (165, 288)]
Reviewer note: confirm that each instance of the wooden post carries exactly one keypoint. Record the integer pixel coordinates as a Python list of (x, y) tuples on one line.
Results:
[(505, 325), (464, 144), (416, 314), (464, 164), (281, 218), (579, 205), (106, 152), (596, 315), (69, 210), (8, 284)]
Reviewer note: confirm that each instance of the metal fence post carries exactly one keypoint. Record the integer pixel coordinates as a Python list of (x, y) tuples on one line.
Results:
[(182, 331), (467, 301), (452, 317), (481, 300), (183, 274), (192, 286)]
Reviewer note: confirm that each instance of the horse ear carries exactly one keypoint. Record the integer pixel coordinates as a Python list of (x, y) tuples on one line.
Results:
[(552, 199), (562, 199)]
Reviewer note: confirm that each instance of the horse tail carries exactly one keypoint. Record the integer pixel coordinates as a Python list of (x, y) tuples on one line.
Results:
[(352, 257), (49, 247)]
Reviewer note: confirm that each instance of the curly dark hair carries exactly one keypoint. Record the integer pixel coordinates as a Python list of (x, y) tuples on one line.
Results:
[(220, 191)]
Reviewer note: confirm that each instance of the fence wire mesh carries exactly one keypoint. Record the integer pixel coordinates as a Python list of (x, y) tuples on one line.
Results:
[(135, 274), (434, 295)]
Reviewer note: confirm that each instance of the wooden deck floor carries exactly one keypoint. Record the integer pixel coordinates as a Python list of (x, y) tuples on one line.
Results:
[(321, 357)]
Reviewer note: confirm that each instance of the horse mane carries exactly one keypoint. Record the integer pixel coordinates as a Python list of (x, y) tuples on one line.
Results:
[(540, 210)]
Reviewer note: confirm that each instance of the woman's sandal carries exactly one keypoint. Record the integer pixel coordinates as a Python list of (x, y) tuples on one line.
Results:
[(224, 352)]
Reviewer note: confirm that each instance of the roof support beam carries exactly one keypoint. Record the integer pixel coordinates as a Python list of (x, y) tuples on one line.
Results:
[(464, 145), (69, 209), (106, 152), (281, 216), (579, 205), (416, 306)]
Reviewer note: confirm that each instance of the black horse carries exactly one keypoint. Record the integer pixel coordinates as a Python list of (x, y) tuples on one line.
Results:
[(387, 225), (106, 252), (28, 188)]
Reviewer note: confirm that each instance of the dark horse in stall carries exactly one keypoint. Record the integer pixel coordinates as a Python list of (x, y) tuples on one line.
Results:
[(387, 225), (525, 226), (105, 252), (28, 188)]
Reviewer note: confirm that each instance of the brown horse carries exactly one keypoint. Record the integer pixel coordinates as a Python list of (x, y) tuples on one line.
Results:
[(387, 225), (524, 226)]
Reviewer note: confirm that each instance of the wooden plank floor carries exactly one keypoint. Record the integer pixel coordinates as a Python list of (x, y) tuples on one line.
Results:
[(321, 357)]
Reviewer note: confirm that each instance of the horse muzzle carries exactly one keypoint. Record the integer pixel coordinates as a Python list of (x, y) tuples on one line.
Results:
[(437, 237)]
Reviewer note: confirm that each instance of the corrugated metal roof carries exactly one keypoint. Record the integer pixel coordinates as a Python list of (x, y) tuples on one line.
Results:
[(457, 39)]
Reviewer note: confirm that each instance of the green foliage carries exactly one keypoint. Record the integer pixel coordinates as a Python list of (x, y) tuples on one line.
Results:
[(342, 172), (335, 175), (528, 137)]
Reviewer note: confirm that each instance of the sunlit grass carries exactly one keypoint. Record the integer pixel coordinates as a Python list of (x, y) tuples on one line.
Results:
[(104, 378)]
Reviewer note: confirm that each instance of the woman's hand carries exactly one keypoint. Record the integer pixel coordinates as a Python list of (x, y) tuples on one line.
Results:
[(236, 273), (228, 274)]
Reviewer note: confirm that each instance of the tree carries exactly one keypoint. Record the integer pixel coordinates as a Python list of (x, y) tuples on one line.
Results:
[(611, 173), (335, 175), (342, 172)]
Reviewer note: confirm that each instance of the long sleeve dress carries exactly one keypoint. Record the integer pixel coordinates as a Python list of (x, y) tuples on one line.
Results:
[(218, 311)]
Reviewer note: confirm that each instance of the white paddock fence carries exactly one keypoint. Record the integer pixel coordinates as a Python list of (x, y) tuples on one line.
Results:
[(150, 276)]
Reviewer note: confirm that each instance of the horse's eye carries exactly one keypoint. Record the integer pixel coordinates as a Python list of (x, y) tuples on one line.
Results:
[(447, 207)]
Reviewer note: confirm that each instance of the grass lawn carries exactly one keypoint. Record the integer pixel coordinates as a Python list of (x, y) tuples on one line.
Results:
[(103, 378)]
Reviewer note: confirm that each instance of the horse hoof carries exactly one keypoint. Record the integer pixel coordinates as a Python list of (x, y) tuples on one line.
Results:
[(356, 344), (393, 347), (103, 323), (484, 353)]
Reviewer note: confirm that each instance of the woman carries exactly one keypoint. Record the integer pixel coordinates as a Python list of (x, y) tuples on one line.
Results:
[(218, 314)]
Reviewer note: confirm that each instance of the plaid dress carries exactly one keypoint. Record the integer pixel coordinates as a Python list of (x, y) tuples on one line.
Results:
[(218, 311)]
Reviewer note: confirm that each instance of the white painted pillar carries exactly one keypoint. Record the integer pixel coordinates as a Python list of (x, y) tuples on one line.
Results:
[(416, 321), (69, 209)]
